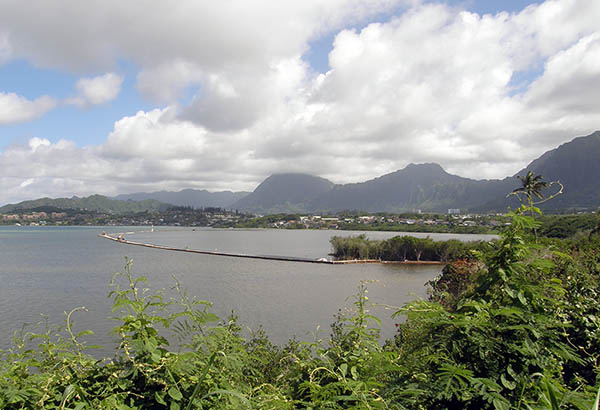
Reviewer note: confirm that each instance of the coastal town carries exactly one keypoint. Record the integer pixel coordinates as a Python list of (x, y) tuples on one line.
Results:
[(223, 218)]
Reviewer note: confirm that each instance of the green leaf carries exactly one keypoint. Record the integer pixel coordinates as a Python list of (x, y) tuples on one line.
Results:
[(500, 404), (200, 379), (151, 344), (175, 393), (229, 392), (551, 395), (84, 333), (69, 390), (354, 372), (343, 369), (508, 384), (374, 318), (160, 398), (597, 403), (155, 357), (502, 274), (511, 372), (522, 299)]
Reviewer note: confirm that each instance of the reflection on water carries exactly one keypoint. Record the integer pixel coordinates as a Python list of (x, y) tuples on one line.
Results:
[(51, 270)]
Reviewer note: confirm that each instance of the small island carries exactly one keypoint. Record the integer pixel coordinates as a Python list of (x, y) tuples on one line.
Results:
[(402, 249)]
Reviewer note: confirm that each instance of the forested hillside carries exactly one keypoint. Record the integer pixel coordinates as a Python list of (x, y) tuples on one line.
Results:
[(97, 203)]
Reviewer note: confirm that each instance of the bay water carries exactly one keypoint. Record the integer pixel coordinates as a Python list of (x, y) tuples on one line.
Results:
[(52, 270)]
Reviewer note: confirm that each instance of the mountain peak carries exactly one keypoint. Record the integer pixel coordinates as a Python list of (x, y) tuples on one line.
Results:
[(291, 175), (430, 167), (279, 192), (294, 179)]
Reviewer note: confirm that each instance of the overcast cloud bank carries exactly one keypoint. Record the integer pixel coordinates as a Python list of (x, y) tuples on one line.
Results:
[(430, 84)]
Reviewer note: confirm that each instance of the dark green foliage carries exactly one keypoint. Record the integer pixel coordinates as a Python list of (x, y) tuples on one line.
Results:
[(509, 325), (402, 248), (565, 226), (266, 221)]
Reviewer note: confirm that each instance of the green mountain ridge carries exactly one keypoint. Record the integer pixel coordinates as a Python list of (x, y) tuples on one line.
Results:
[(97, 203)]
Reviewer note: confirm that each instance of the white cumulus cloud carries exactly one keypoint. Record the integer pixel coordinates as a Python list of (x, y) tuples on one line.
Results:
[(97, 90), (15, 108), (482, 95)]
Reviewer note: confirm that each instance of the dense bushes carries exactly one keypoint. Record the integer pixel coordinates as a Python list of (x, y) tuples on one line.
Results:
[(564, 226), (515, 328), (401, 248)]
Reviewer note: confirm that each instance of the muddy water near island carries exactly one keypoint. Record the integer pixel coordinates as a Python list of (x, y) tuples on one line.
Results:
[(51, 270)]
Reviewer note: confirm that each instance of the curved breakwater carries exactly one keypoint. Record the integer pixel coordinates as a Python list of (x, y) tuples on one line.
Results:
[(121, 239)]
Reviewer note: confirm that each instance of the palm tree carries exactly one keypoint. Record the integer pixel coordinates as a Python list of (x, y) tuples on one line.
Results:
[(531, 186)]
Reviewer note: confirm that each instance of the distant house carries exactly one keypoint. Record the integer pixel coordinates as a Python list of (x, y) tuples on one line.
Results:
[(34, 216)]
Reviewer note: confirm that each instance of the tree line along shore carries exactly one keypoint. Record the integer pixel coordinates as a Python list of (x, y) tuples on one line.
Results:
[(403, 248)]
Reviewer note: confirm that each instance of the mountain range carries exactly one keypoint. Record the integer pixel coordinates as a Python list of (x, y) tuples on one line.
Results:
[(418, 186), (427, 187), (188, 197), (97, 203), (576, 164)]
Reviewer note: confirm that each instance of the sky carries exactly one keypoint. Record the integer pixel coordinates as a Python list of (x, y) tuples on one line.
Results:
[(110, 97)]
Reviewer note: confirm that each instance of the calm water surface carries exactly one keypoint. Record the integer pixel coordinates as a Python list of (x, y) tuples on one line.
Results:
[(50, 270)]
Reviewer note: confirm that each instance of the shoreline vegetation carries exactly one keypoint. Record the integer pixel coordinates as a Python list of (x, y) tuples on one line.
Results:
[(403, 249)]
